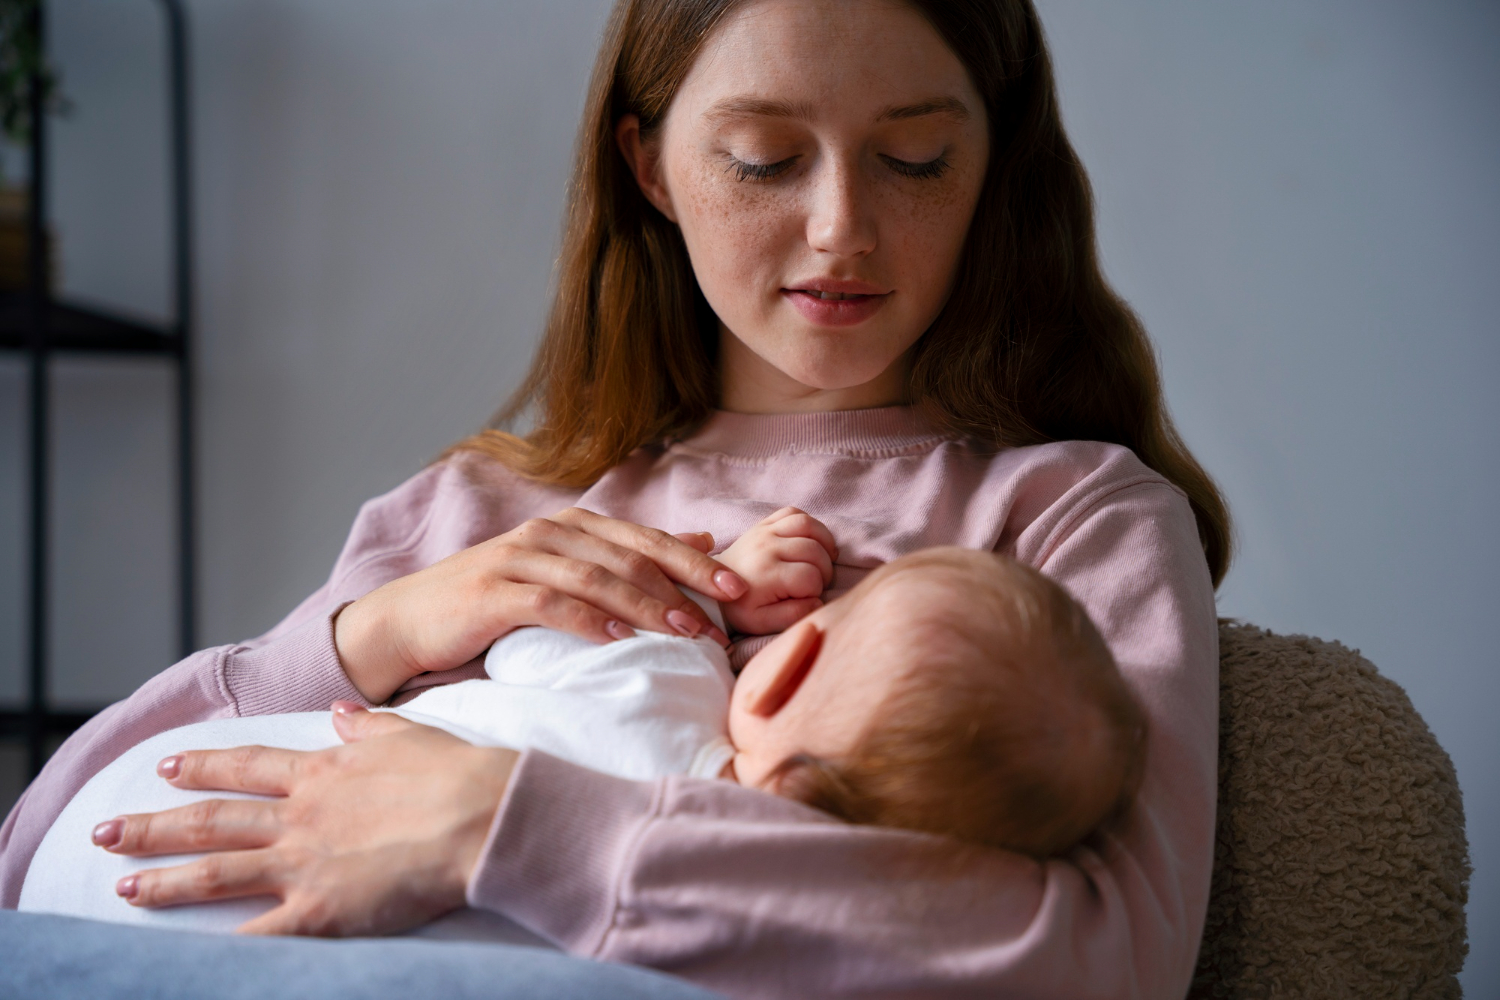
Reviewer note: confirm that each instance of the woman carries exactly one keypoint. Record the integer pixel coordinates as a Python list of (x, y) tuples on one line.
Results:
[(831, 254)]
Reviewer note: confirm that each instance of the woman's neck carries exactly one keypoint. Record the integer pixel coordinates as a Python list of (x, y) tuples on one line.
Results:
[(749, 384)]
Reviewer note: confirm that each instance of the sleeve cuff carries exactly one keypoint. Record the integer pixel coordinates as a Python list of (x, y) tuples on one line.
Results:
[(296, 672), (553, 859)]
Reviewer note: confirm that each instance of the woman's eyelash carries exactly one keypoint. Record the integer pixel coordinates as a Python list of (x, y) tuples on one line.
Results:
[(932, 168), (758, 171), (766, 171)]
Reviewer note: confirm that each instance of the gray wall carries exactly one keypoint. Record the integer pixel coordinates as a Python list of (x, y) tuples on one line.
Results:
[(1299, 198)]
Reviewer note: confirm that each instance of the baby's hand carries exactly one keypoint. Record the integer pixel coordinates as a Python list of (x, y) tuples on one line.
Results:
[(787, 559)]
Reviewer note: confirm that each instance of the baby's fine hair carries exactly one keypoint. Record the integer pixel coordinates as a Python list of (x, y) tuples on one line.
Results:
[(1015, 729)]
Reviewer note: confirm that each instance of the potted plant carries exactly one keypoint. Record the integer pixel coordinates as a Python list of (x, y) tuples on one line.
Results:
[(22, 65)]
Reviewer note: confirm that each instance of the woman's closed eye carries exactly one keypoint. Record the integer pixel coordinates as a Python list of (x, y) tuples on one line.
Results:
[(926, 169), (759, 171), (747, 171)]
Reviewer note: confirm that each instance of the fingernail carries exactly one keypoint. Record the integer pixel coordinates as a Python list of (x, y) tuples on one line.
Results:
[(730, 584), (345, 708), (128, 886), (683, 622), (108, 833), (171, 767), (619, 630)]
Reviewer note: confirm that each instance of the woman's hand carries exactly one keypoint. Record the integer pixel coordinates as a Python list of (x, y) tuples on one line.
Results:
[(373, 837), (577, 571)]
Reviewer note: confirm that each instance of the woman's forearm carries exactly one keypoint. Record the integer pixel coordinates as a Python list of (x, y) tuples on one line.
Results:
[(593, 576), (757, 896)]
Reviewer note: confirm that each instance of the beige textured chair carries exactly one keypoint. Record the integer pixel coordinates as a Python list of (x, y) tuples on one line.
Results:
[(1341, 867)]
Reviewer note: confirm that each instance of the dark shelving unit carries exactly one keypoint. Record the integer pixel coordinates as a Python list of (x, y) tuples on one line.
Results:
[(39, 325)]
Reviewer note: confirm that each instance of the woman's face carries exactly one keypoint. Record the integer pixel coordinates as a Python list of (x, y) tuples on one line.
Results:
[(823, 159)]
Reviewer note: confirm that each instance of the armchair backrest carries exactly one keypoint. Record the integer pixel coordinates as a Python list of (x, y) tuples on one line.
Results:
[(1341, 866)]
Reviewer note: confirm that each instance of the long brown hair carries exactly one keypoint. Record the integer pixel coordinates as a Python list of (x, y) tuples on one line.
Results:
[(1032, 346)]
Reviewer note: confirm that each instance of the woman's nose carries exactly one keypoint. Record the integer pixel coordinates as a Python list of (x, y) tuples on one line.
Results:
[(840, 220)]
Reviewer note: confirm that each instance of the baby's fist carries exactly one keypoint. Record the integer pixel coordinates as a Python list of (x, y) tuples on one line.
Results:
[(787, 559)]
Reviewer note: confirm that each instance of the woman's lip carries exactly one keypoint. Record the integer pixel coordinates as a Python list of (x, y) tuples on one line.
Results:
[(837, 286), (850, 311)]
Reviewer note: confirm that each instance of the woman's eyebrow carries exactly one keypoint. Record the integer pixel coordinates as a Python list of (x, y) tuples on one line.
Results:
[(950, 106), (733, 108)]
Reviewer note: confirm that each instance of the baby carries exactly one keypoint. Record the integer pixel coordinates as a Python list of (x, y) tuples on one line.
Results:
[(952, 692)]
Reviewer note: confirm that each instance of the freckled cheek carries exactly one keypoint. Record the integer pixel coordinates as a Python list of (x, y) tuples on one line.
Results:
[(924, 238), (733, 236)]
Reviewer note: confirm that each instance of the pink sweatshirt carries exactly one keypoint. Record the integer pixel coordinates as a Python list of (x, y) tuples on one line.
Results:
[(741, 891)]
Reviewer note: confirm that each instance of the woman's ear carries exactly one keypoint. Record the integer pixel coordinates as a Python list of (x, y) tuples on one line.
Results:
[(791, 658), (645, 164)]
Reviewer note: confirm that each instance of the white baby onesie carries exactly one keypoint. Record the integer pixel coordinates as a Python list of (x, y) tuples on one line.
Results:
[(639, 708)]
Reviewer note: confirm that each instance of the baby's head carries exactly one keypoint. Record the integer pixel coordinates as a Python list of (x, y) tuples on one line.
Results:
[(954, 692)]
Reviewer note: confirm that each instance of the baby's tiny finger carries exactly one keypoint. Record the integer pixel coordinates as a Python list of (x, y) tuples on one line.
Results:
[(800, 524), (806, 551), (801, 579), (783, 615)]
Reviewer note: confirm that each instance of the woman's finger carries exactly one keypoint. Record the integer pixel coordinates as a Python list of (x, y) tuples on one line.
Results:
[(552, 608), (285, 920), (703, 541), (594, 557), (611, 578), (253, 769), (354, 722), (678, 560), (210, 825), (553, 536), (615, 579), (215, 876)]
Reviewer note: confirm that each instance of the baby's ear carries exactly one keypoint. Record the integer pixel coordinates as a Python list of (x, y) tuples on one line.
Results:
[(782, 667)]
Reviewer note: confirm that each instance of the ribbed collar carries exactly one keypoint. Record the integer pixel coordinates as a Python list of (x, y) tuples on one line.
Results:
[(842, 432)]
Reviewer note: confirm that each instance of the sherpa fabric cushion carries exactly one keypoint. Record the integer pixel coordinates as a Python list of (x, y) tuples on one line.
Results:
[(1341, 867)]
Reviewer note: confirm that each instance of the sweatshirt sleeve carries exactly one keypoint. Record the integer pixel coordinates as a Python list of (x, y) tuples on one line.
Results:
[(757, 896), (292, 668)]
